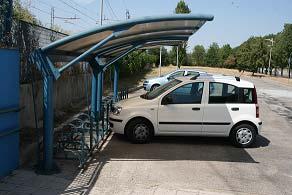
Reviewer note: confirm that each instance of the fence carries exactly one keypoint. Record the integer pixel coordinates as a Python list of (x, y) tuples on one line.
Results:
[(27, 37)]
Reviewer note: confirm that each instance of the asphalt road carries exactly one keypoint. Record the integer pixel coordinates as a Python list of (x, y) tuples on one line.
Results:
[(183, 165)]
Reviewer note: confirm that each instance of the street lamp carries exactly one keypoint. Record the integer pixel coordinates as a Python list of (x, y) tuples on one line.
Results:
[(272, 44), (289, 63)]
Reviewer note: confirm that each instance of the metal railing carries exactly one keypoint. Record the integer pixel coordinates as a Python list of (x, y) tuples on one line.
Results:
[(83, 134)]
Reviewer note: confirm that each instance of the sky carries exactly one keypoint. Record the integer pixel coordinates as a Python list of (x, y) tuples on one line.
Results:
[(234, 20)]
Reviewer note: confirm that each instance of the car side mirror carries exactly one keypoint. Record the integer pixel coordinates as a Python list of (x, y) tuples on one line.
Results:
[(166, 100), (169, 78)]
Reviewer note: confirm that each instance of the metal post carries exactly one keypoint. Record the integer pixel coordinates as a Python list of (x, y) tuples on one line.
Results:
[(176, 57), (99, 92), (116, 80), (48, 107), (93, 92), (52, 18), (270, 72), (93, 104), (272, 44), (101, 12), (160, 61), (289, 62)]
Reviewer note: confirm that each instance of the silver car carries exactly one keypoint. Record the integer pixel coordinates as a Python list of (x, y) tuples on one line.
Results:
[(152, 83)]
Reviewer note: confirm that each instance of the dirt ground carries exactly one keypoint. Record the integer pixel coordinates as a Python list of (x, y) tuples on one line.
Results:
[(225, 71)]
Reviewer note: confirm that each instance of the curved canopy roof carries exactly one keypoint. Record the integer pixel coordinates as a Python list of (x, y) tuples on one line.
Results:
[(172, 29), (105, 45)]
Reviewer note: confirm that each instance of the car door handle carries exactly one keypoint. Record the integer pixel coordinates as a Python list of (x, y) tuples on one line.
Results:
[(196, 109), (235, 109)]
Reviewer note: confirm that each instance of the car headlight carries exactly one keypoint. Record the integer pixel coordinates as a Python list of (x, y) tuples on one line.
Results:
[(145, 82), (116, 110)]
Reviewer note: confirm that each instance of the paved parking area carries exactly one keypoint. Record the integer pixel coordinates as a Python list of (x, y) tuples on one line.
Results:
[(182, 165)]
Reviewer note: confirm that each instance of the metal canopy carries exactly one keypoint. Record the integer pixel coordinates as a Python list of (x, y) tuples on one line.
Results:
[(113, 40), (102, 47)]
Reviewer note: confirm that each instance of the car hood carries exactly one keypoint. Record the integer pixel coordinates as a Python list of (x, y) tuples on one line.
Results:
[(133, 102)]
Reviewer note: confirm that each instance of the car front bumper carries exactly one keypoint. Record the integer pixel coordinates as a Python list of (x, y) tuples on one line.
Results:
[(116, 125), (146, 86)]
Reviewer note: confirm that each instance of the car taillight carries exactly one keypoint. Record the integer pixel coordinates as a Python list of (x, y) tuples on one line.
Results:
[(257, 111), (255, 98)]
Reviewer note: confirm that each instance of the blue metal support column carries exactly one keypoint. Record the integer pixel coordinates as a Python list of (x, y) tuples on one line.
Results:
[(94, 66), (93, 94), (48, 107), (44, 64), (99, 92), (116, 80)]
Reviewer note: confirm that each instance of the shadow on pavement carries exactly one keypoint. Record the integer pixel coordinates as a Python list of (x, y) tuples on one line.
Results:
[(179, 148), (74, 181)]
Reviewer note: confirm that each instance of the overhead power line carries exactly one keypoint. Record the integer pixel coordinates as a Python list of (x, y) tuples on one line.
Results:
[(111, 9), (45, 12), (50, 5), (72, 7)]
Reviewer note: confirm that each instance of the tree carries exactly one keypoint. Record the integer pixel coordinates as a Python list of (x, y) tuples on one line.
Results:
[(213, 56), (198, 55), (182, 8), (22, 13), (164, 56), (283, 47), (230, 62), (225, 52), (252, 54)]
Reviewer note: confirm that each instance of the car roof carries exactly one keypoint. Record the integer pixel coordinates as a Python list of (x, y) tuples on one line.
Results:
[(193, 70), (219, 78)]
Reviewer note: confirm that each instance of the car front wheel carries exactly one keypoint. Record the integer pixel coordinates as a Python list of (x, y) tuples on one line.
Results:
[(139, 131), (154, 87), (243, 135)]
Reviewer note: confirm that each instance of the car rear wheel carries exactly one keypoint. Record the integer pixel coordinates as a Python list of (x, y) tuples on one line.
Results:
[(154, 87), (243, 135), (139, 131)]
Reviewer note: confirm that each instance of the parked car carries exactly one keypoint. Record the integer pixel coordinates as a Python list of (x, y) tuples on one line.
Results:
[(200, 106), (153, 83)]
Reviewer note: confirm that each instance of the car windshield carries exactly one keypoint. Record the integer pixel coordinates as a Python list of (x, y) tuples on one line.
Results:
[(160, 90)]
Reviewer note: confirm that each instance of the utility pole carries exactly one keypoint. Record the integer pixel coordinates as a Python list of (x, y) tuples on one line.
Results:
[(52, 17), (101, 12), (127, 15), (160, 60), (271, 47), (289, 62), (52, 23)]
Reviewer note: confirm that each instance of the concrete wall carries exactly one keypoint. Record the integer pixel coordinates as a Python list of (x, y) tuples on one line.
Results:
[(67, 90)]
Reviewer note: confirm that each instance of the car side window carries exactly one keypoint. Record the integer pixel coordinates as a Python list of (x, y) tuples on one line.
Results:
[(192, 73), (176, 74), (220, 93), (187, 94), (247, 95)]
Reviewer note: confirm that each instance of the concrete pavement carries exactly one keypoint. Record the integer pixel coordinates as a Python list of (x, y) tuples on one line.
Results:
[(182, 165)]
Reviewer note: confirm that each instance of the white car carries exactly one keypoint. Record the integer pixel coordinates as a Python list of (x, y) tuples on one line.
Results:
[(153, 83), (200, 106)]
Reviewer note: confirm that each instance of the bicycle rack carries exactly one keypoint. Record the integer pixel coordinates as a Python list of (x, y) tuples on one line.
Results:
[(78, 138)]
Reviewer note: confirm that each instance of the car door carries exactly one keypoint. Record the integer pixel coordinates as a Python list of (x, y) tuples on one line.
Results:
[(221, 105), (181, 111)]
